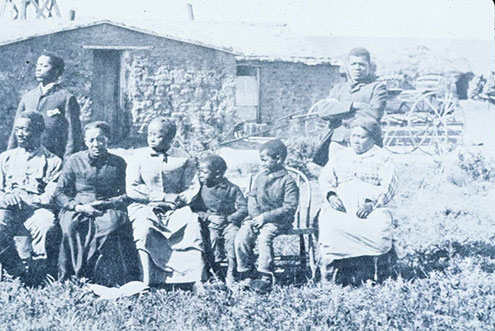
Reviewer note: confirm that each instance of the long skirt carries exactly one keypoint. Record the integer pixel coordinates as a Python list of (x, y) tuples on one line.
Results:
[(173, 241), (344, 235), (98, 248)]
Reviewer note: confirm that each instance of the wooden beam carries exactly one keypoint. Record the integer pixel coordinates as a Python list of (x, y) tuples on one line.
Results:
[(55, 8), (22, 10), (41, 9), (117, 48), (258, 95), (2, 7)]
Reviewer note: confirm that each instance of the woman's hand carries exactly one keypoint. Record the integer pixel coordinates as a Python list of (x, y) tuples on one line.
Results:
[(336, 203), (364, 210), (88, 209)]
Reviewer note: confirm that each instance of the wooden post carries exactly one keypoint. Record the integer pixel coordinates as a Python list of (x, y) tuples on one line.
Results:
[(258, 94), (3, 4), (190, 12), (22, 10)]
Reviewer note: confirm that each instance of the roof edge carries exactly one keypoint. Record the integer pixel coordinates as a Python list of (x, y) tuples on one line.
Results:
[(119, 25)]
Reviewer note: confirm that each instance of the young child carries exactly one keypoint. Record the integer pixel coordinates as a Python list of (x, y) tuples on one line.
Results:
[(222, 209), (272, 203)]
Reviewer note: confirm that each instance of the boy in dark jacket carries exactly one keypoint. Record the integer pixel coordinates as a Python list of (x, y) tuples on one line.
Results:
[(222, 209), (272, 203), (60, 110)]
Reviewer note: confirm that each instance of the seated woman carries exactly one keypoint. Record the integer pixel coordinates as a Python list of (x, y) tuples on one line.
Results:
[(160, 182), (357, 183), (97, 238)]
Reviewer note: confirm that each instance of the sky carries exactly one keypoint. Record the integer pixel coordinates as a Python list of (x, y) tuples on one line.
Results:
[(450, 19)]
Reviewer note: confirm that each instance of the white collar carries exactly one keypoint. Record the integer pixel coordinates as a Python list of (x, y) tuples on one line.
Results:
[(45, 89)]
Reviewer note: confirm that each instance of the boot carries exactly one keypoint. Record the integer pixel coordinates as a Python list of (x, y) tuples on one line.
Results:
[(14, 265), (262, 285)]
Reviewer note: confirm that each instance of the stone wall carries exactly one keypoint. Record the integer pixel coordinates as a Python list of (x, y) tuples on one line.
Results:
[(287, 88)]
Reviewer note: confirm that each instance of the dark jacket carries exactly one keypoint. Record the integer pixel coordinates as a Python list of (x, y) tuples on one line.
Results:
[(340, 113), (275, 196), (63, 134), (224, 199)]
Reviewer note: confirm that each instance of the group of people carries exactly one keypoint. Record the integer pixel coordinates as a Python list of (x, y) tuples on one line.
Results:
[(165, 218)]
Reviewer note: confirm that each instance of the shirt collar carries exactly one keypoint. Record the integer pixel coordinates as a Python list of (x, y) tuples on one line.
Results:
[(154, 153), (47, 88), (95, 161), (371, 152), (356, 86), (33, 152), (280, 173)]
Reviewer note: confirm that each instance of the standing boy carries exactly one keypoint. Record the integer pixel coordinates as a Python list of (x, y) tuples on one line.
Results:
[(222, 207), (60, 110), (272, 203)]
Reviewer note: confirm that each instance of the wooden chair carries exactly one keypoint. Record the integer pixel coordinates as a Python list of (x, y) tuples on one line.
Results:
[(302, 229)]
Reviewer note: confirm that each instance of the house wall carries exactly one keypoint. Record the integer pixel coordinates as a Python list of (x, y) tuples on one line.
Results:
[(287, 88), (191, 83)]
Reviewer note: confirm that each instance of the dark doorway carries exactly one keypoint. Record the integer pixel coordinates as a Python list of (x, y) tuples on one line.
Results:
[(106, 92)]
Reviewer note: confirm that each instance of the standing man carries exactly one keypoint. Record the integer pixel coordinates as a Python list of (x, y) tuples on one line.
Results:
[(28, 176), (360, 96), (60, 110)]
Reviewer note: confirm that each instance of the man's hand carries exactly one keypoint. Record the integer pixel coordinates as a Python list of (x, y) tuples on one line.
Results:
[(336, 203), (218, 221), (88, 209), (258, 221), (364, 210), (12, 199)]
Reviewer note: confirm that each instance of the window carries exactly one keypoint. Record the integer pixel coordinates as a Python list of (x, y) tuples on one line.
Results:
[(246, 95)]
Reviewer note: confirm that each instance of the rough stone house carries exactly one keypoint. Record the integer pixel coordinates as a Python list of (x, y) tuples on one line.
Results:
[(205, 75)]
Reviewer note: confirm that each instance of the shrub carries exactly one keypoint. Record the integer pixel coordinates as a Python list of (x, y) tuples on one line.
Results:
[(477, 165)]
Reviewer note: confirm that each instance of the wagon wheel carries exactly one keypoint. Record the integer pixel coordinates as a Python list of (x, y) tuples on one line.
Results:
[(397, 136), (436, 122), (314, 125)]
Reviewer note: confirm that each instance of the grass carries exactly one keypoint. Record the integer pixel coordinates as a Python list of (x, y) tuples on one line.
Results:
[(446, 230)]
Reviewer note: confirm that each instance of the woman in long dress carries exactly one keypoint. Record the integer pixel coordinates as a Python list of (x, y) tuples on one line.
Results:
[(357, 184), (97, 240)]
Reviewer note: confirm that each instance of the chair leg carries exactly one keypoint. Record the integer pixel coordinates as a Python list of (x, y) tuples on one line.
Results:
[(312, 256), (302, 253)]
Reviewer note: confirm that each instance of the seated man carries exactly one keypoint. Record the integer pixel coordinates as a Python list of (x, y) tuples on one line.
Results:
[(28, 177), (362, 95), (160, 180)]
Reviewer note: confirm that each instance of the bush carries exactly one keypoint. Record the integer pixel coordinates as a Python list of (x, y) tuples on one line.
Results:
[(477, 165)]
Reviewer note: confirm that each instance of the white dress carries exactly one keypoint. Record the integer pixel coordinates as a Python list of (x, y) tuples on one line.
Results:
[(357, 178)]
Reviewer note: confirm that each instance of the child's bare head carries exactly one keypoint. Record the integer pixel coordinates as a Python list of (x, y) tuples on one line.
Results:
[(273, 154), (161, 132), (275, 148), (211, 169)]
